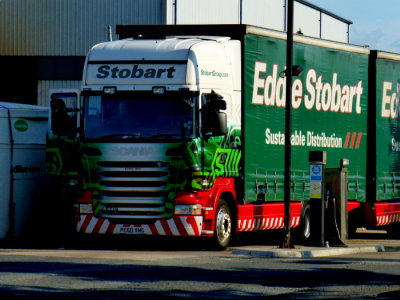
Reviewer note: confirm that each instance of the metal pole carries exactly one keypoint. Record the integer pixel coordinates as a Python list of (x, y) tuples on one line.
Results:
[(287, 242), (109, 31), (176, 12)]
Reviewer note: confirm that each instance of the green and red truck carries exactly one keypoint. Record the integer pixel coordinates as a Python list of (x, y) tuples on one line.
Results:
[(179, 131)]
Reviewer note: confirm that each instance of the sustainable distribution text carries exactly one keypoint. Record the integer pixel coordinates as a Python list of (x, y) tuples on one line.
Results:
[(309, 139)]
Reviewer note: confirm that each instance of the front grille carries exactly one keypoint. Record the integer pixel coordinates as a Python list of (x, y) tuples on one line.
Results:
[(130, 183), (133, 190), (133, 164), (127, 174)]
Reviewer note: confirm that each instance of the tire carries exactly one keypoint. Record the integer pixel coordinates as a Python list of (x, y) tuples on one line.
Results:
[(354, 221), (223, 231), (303, 233)]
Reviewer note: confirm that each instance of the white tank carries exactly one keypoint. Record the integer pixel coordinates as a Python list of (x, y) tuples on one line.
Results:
[(22, 167)]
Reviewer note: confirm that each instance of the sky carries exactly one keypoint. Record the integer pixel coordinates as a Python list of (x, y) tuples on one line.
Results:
[(375, 22)]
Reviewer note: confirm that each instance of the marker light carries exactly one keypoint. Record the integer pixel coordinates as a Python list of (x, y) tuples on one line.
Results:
[(159, 90), (83, 208), (109, 90)]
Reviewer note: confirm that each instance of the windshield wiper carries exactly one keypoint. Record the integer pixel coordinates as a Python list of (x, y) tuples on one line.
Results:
[(166, 136), (122, 136)]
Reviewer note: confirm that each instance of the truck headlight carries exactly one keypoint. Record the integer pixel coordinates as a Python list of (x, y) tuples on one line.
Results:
[(84, 208), (188, 209)]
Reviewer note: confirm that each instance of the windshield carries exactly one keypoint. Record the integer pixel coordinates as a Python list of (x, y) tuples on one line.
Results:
[(139, 116)]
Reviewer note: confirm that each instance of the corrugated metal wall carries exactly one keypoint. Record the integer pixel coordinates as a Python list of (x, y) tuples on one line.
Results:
[(208, 12), (334, 30), (50, 38), (67, 27), (44, 86), (265, 13), (71, 27), (306, 19)]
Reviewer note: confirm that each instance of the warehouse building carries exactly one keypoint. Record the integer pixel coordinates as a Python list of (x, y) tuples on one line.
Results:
[(43, 43)]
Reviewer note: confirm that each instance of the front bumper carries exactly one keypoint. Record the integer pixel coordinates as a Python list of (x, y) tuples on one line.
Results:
[(175, 226)]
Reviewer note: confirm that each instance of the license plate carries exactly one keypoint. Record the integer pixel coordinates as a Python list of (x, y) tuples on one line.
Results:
[(132, 230)]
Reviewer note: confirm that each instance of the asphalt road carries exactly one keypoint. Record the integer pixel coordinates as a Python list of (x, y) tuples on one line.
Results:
[(179, 271)]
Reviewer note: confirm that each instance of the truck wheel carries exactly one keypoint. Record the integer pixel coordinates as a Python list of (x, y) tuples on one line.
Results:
[(355, 220), (223, 225), (303, 233)]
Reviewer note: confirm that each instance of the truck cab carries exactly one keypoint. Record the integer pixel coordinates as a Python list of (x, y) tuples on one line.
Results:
[(155, 114)]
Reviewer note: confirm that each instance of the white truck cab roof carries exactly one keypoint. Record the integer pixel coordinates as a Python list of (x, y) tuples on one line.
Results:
[(176, 62)]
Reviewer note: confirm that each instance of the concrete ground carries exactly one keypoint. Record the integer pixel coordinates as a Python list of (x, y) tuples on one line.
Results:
[(364, 241)]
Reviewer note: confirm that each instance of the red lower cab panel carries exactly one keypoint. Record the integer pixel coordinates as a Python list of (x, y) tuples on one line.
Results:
[(267, 216), (381, 214)]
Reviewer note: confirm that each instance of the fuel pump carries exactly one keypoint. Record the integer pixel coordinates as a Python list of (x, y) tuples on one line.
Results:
[(317, 161), (336, 196)]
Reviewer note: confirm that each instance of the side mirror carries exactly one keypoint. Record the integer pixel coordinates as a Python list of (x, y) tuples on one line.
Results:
[(214, 121), (59, 117), (64, 113), (218, 104), (215, 124), (219, 124)]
